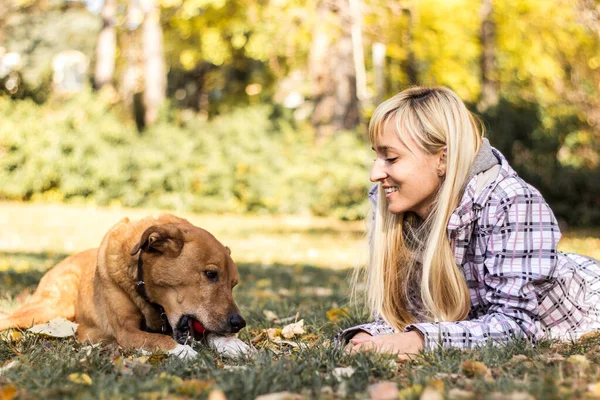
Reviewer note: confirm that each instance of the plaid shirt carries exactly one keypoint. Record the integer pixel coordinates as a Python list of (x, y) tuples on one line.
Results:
[(504, 239)]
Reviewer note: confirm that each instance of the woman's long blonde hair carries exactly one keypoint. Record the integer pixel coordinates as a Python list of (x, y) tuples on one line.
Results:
[(403, 250)]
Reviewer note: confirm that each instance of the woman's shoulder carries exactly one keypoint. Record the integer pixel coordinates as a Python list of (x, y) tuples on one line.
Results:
[(509, 187)]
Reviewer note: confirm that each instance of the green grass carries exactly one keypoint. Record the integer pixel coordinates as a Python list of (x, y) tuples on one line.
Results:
[(44, 364), (290, 283)]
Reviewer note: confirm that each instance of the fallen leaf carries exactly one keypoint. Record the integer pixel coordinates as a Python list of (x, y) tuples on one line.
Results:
[(475, 368), (8, 365), (336, 314), (273, 333), (172, 379), (8, 392), (81, 379), (14, 335), (194, 387), (289, 331), (385, 390), (280, 396), (261, 336), (157, 359), (58, 327), (342, 372)]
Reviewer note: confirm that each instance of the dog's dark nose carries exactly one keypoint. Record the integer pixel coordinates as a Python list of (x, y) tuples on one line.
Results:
[(236, 322)]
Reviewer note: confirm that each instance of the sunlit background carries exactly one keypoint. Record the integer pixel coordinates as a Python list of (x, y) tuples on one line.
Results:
[(258, 109)]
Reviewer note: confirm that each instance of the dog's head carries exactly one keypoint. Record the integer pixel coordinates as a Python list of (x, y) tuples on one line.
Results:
[(191, 275)]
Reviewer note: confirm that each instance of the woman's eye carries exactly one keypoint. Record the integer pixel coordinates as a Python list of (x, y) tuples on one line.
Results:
[(391, 160), (212, 275)]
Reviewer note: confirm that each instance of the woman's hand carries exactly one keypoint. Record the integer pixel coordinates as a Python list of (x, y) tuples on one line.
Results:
[(402, 344)]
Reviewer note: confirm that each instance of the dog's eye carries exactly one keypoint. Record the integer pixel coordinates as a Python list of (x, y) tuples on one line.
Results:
[(212, 275)]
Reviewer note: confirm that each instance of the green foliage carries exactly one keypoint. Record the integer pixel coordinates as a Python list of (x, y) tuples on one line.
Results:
[(79, 150)]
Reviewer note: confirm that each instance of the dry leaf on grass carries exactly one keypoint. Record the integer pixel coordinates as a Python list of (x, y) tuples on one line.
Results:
[(8, 392), (80, 379), (473, 368), (195, 387), (343, 373), (58, 327), (337, 314), (8, 365), (289, 331)]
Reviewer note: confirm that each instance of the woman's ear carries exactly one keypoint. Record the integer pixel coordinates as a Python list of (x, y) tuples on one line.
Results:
[(441, 167)]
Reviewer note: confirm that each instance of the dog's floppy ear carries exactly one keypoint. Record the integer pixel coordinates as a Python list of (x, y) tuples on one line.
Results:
[(165, 239)]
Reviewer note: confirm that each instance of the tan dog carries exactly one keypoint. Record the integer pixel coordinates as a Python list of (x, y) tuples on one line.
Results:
[(147, 279)]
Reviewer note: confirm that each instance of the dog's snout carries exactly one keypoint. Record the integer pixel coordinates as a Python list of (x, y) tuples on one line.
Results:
[(236, 322)]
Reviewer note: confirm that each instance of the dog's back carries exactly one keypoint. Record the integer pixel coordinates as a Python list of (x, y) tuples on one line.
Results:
[(56, 294)]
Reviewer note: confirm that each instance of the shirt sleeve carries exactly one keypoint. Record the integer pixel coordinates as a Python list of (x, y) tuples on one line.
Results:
[(378, 327), (521, 252)]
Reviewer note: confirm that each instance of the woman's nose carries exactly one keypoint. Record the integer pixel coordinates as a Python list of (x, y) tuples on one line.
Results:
[(377, 172)]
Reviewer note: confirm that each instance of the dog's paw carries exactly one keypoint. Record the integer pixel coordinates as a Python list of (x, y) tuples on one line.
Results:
[(229, 346), (183, 351)]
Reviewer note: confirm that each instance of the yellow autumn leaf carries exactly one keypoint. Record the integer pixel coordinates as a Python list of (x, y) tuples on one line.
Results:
[(410, 392), (289, 331), (81, 379), (167, 378), (473, 368), (336, 314), (8, 392), (195, 387)]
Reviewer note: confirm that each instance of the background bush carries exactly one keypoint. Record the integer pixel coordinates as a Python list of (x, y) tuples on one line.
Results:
[(246, 161), (255, 159)]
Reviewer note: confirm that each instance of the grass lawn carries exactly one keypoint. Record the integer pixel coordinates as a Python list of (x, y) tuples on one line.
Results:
[(290, 267)]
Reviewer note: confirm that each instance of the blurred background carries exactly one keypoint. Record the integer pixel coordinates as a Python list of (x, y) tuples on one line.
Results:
[(259, 108)]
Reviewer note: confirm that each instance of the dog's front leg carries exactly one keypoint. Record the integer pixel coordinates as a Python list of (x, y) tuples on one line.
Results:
[(130, 336)]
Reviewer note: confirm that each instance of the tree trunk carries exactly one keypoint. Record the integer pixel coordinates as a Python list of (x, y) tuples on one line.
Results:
[(410, 64), (357, 50), (155, 77), (378, 56), (106, 47), (332, 70), (489, 85)]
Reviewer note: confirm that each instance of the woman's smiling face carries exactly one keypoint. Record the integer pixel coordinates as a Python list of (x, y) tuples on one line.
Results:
[(408, 174)]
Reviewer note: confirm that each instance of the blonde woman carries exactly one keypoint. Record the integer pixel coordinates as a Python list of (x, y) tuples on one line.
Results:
[(463, 251)]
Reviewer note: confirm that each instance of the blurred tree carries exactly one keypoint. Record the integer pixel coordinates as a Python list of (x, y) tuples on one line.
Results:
[(489, 86), (332, 70), (106, 47), (155, 77)]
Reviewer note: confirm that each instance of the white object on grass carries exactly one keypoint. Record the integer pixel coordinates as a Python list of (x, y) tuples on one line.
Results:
[(228, 346), (58, 327), (183, 351)]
